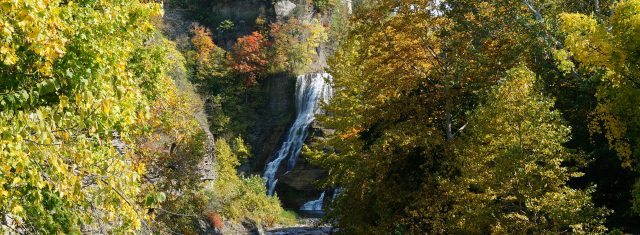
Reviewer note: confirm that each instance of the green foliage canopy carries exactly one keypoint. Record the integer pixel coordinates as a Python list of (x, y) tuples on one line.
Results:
[(77, 79)]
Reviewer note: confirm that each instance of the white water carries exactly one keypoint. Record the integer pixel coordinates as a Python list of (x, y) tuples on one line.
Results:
[(310, 89), (315, 205)]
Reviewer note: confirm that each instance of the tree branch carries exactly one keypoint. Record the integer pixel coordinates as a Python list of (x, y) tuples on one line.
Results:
[(460, 129), (547, 36), (128, 203)]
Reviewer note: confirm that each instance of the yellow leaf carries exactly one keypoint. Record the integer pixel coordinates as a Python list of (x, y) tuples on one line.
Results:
[(16, 180), (10, 59), (17, 209), (64, 101)]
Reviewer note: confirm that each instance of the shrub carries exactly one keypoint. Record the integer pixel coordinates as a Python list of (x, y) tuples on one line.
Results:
[(215, 220), (238, 197), (324, 5)]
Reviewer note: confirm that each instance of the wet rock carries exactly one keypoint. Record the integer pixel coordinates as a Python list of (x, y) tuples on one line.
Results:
[(253, 227), (246, 227), (302, 231), (319, 131), (299, 184)]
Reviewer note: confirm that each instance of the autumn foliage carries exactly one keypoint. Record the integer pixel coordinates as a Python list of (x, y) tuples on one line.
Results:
[(202, 41), (295, 43), (208, 60), (249, 57), (440, 126), (215, 220)]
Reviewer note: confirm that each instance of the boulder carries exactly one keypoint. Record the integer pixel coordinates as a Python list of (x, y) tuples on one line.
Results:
[(284, 8), (299, 184)]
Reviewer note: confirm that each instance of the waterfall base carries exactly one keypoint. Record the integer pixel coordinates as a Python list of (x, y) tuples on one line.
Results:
[(315, 205)]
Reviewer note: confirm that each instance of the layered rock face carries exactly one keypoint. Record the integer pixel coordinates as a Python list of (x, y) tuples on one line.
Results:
[(297, 186), (243, 14), (280, 114)]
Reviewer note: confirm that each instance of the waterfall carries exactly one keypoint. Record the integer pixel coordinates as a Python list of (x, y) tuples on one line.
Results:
[(336, 192), (315, 205), (310, 89)]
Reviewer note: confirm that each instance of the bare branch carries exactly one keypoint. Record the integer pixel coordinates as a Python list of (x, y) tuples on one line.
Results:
[(547, 36), (461, 129), (533, 10)]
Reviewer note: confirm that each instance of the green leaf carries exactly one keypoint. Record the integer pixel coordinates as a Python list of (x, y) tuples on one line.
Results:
[(161, 197), (150, 200)]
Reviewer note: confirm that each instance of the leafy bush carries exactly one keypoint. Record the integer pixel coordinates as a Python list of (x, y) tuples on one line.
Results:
[(215, 220), (238, 197), (324, 5)]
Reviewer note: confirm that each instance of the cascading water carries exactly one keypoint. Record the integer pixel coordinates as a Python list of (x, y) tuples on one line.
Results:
[(315, 205), (310, 89)]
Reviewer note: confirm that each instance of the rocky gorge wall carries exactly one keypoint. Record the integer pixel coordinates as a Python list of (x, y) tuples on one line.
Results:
[(298, 185), (275, 118), (276, 115)]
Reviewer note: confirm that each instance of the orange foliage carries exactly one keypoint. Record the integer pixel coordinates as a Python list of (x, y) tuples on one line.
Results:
[(202, 41), (250, 57), (215, 220), (353, 132)]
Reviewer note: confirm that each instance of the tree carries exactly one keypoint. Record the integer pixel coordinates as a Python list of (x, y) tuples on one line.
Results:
[(77, 80), (210, 63), (607, 50), (174, 151), (249, 57), (515, 166), (324, 5), (295, 44), (404, 81)]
